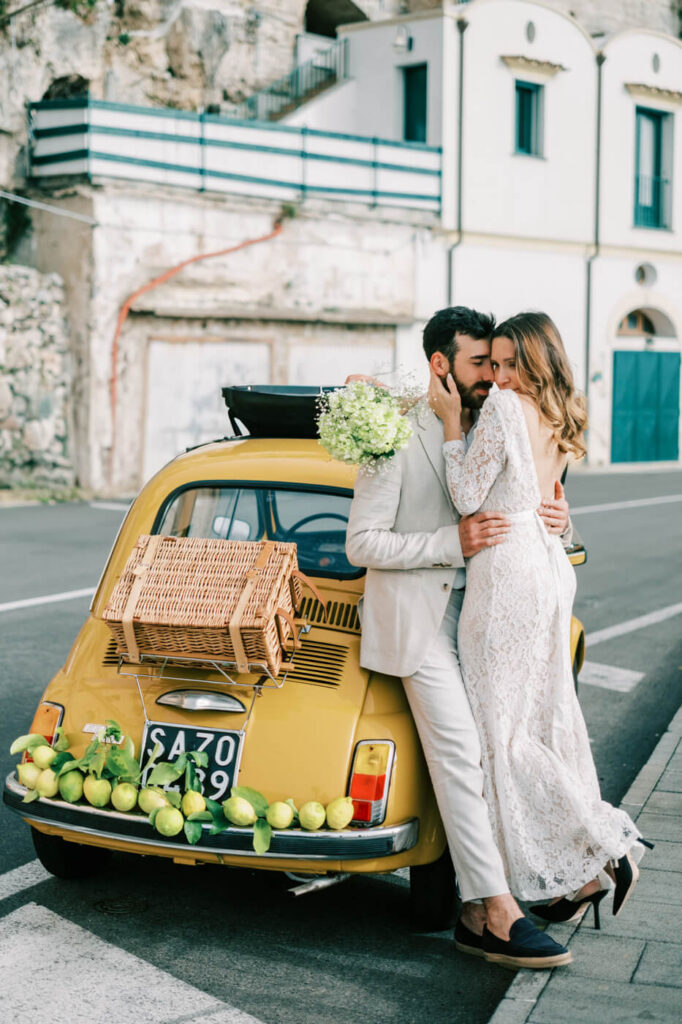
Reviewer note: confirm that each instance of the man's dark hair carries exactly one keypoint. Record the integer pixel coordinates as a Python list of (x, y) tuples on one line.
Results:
[(440, 333)]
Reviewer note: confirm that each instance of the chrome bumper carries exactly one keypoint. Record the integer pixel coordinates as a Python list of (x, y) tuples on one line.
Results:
[(351, 844)]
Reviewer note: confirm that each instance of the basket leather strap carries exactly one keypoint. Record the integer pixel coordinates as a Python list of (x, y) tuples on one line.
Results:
[(282, 613), (311, 586), (139, 572), (234, 625)]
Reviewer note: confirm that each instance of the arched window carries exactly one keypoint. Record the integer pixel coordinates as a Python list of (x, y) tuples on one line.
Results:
[(636, 323)]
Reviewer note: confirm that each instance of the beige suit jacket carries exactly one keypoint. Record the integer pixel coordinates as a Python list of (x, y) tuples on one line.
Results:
[(403, 529)]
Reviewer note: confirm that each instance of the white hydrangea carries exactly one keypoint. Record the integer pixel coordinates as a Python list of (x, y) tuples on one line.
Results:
[(362, 424)]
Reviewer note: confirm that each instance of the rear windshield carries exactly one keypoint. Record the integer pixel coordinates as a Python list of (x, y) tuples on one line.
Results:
[(314, 520)]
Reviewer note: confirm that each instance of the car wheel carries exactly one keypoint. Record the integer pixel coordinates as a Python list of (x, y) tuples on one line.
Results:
[(433, 895), (68, 860)]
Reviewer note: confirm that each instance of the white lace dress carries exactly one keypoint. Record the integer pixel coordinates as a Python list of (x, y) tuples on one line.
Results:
[(553, 829)]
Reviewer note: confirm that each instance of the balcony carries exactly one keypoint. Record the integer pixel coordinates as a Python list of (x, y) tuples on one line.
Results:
[(652, 202), (85, 138)]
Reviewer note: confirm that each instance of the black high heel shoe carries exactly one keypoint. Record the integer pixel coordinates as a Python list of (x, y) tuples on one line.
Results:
[(570, 910), (625, 875)]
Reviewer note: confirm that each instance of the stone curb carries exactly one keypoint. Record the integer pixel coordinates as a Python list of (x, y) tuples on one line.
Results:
[(527, 987)]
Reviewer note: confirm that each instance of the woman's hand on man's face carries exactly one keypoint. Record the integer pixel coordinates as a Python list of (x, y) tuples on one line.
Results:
[(445, 402)]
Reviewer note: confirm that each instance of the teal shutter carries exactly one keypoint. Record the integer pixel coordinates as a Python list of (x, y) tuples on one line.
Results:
[(646, 406)]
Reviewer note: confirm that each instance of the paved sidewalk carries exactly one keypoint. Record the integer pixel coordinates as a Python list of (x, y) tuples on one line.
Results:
[(631, 971)]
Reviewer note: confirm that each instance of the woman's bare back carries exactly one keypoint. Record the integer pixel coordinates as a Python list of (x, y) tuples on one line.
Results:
[(550, 463)]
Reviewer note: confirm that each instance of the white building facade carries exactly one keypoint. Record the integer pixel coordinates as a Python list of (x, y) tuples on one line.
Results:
[(491, 154)]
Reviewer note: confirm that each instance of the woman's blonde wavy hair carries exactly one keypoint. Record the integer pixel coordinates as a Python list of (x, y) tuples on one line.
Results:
[(545, 375)]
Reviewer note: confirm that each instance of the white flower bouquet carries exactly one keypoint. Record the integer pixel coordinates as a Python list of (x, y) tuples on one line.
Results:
[(363, 424)]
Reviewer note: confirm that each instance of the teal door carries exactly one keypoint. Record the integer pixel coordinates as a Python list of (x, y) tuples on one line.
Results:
[(645, 425)]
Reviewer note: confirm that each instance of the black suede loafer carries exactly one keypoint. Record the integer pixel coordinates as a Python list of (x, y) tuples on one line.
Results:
[(467, 941), (526, 947)]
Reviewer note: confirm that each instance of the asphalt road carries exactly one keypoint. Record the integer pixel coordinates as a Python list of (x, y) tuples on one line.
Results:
[(343, 954)]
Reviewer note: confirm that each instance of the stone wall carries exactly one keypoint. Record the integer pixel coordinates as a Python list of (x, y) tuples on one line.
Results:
[(604, 17), (35, 380)]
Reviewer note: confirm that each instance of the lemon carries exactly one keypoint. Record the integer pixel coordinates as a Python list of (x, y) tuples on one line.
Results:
[(47, 783), (192, 803), (340, 812), (43, 756), (279, 815), (97, 791), (124, 796), (239, 811), (148, 799), (28, 774), (312, 815), (71, 786), (169, 821)]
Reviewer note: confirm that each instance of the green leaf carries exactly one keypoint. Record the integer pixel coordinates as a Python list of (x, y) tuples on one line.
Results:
[(191, 780), (200, 816), (97, 762), (193, 831), (213, 806), (220, 823), (262, 834), (200, 757), (152, 816), (128, 747), (113, 731), (122, 765), (165, 773), (256, 799), (62, 743), (293, 806), (28, 742), (174, 798), (32, 794), (62, 759), (68, 766)]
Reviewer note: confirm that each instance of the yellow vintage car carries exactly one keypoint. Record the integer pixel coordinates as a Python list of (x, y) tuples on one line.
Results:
[(324, 728)]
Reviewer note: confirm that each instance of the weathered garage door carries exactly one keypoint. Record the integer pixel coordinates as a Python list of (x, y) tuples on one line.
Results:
[(646, 406), (184, 405)]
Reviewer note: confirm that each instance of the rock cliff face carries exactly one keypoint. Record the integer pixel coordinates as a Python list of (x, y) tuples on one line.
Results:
[(171, 53), (35, 380)]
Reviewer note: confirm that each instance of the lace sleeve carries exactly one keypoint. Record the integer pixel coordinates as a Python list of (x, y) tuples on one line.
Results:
[(471, 474)]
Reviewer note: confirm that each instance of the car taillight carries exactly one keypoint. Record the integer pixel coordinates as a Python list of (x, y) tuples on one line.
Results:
[(370, 779), (45, 722)]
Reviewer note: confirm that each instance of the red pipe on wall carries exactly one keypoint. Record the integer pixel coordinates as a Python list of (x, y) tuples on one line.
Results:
[(161, 279)]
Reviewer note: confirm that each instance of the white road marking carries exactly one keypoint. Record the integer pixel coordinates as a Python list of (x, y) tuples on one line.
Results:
[(22, 878), (30, 602), (622, 628), (609, 677), (109, 506), (614, 506), (55, 970)]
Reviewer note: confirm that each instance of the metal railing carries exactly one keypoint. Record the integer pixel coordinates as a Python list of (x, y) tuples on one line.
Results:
[(652, 202), (305, 81)]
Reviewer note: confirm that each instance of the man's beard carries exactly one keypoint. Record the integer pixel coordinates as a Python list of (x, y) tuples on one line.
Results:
[(470, 396)]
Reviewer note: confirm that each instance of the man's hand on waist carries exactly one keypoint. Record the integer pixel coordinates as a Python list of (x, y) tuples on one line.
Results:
[(555, 514), (482, 530)]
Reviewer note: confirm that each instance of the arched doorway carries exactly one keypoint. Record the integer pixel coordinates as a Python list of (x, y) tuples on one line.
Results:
[(645, 425)]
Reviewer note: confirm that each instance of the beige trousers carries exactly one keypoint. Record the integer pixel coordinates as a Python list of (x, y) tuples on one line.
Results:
[(449, 738)]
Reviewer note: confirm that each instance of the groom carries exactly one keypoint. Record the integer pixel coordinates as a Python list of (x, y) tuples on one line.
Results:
[(404, 529)]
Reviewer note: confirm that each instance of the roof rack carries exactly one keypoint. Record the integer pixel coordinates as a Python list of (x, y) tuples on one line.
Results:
[(264, 410)]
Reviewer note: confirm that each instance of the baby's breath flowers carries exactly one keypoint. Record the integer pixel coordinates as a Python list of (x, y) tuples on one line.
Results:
[(363, 424)]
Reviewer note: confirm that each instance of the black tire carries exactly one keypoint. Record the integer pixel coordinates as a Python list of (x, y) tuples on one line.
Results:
[(68, 860), (433, 895), (575, 674)]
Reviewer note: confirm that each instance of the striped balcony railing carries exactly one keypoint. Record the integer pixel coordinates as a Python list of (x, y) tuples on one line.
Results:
[(85, 137)]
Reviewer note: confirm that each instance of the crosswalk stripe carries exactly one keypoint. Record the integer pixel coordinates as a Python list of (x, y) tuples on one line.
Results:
[(623, 628), (17, 879), (615, 506), (30, 602), (80, 975), (609, 677)]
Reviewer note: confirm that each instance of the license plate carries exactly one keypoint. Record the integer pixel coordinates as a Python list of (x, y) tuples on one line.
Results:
[(223, 747)]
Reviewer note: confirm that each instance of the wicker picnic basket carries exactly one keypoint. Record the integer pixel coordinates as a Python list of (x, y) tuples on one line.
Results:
[(209, 600)]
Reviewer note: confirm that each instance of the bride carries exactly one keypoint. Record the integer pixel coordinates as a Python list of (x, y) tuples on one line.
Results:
[(559, 840)]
